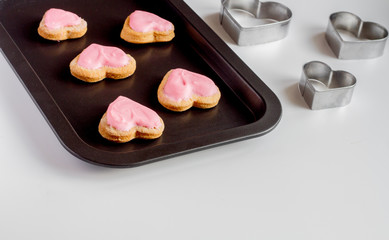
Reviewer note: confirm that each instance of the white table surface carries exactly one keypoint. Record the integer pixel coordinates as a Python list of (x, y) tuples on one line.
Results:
[(318, 175)]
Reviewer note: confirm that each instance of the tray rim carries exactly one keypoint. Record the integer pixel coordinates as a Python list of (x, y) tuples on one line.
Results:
[(71, 142)]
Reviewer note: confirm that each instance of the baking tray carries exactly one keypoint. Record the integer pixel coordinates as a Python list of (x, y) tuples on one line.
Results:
[(248, 108)]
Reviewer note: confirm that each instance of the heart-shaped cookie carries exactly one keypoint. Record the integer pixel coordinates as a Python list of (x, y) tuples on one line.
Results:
[(254, 22), (97, 62), (146, 27), (126, 119), (351, 38), (181, 89), (58, 24), (323, 88)]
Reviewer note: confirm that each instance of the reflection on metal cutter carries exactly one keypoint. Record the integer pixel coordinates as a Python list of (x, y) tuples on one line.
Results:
[(250, 22), (323, 88), (369, 38)]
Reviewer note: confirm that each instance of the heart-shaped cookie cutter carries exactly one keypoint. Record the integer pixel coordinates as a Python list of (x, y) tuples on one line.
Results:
[(321, 87), (250, 22), (370, 37)]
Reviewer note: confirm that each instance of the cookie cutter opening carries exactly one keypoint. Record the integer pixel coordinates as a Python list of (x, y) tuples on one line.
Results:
[(321, 87), (351, 38), (250, 22)]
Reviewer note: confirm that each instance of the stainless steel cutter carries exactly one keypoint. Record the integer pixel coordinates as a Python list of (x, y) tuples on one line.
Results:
[(321, 87), (368, 38), (250, 22)]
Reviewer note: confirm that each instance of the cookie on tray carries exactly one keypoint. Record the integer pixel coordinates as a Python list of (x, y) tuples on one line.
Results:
[(145, 27), (181, 89), (97, 62), (58, 25), (126, 119)]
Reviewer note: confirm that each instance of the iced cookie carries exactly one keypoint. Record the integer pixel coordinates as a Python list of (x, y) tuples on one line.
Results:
[(126, 119), (145, 27), (97, 62), (181, 89), (58, 24)]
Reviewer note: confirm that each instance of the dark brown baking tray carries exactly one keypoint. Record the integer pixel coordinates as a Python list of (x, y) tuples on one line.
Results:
[(248, 108)]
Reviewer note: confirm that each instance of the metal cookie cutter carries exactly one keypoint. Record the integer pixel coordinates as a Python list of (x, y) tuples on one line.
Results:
[(323, 88), (251, 22), (368, 38)]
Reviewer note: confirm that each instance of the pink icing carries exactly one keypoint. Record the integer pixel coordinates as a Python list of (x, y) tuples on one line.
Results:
[(124, 114), (57, 18), (141, 21), (96, 56), (182, 84)]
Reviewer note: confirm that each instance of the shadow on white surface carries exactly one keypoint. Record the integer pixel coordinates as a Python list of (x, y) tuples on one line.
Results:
[(213, 22), (294, 97), (321, 43)]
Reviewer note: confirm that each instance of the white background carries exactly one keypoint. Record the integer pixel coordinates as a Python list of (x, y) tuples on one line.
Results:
[(319, 175)]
